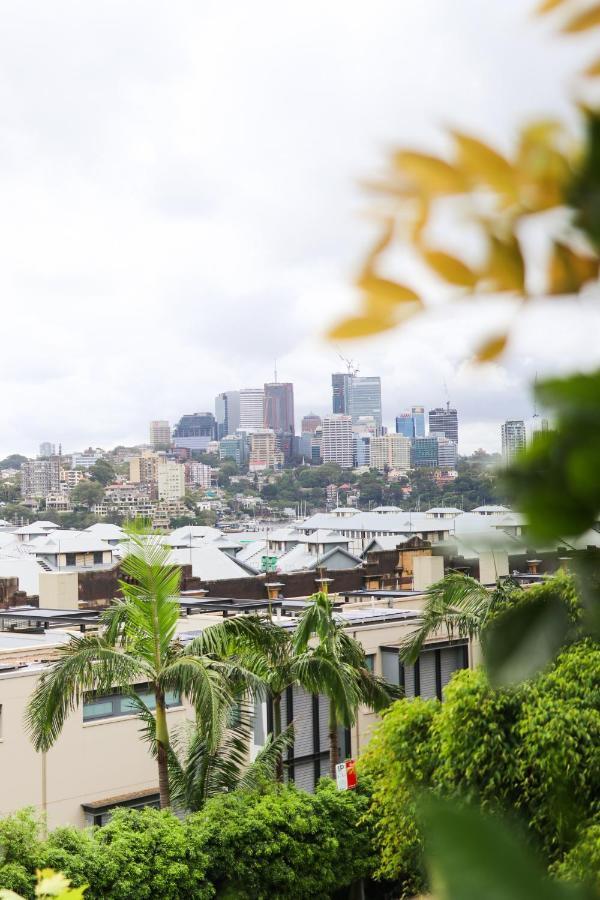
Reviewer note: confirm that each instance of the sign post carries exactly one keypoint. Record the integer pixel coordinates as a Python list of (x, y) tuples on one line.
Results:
[(345, 775)]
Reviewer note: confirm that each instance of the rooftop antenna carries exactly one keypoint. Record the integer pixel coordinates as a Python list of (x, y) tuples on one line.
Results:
[(275, 372), (447, 395)]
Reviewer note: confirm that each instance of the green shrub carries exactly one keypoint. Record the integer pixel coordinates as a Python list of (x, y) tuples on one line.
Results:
[(284, 843), (582, 862)]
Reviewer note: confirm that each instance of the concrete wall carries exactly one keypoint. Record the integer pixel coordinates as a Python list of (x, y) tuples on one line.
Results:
[(426, 571), (59, 590)]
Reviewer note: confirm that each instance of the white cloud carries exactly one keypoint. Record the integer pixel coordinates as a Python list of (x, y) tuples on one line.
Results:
[(181, 202)]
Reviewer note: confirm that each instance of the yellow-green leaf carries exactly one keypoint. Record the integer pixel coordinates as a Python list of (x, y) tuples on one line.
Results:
[(430, 173), (389, 291), (589, 18), (451, 269), (482, 163), (569, 271), (492, 348), (593, 70), (505, 265), (361, 326), (382, 242)]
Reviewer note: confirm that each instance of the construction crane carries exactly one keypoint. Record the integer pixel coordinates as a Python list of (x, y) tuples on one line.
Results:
[(353, 369)]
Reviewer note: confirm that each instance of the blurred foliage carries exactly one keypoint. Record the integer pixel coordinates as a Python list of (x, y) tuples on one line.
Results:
[(49, 884), (529, 751)]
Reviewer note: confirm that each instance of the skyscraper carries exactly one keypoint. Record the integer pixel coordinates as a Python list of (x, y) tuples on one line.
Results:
[(160, 434), (404, 425), (514, 438), (447, 452), (340, 391), (310, 423), (418, 417), (336, 442), (227, 413), (444, 421), (195, 432), (390, 451), (365, 398), (279, 407), (47, 449), (252, 409)]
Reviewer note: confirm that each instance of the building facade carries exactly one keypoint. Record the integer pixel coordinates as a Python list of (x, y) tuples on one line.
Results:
[(160, 434), (195, 432), (264, 452), (514, 439), (198, 475), (447, 453), (234, 446), (336, 441), (390, 451), (252, 409), (310, 423), (425, 453), (444, 421), (47, 449), (40, 477), (227, 413), (404, 425), (171, 480)]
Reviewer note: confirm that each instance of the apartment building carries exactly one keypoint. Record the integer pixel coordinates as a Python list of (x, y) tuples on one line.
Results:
[(40, 477), (171, 480), (198, 475), (264, 452), (144, 469), (336, 440), (390, 451), (160, 434)]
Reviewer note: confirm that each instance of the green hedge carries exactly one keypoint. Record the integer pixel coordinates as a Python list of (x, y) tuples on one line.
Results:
[(283, 843)]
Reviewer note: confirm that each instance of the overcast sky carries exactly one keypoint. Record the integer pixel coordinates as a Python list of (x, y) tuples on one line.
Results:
[(180, 204)]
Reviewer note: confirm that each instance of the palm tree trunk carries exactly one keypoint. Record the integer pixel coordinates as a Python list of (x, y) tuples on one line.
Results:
[(276, 733), (162, 748), (334, 753)]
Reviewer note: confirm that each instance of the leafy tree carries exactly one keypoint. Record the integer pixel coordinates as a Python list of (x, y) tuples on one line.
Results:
[(334, 643), (103, 472), (87, 493), (14, 461), (138, 644)]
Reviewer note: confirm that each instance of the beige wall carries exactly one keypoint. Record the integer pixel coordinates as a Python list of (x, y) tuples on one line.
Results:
[(426, 571), (492, 566), (59, 590), (91, 761)]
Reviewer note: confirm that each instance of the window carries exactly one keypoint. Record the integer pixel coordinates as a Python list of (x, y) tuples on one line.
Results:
[(70, 559), (370, 662), (98, 557), (111, 706)]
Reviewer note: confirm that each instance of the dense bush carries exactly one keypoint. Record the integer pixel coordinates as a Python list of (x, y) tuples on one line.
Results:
[(283, 843), (582, 862), (533, 749)]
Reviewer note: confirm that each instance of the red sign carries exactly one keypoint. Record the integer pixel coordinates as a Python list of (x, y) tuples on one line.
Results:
[(351, 773)]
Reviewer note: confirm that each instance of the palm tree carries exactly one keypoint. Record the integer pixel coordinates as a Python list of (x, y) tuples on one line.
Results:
[(271, 654), (137, 644), (200, 769), (460, 606), (335, 644)]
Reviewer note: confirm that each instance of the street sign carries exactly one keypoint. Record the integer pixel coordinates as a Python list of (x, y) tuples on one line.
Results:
[(345, 775)]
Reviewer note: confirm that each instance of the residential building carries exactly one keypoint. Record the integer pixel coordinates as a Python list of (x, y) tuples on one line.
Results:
[(425, 452), (444, 421), (264, 453), (70, 478), (144, 469), (310, 423), (58, 502), (252, 409), (195, 431), (447, 452), (160, 434), (514, 439), (336, 442), (40, 477), (390, 451), (234, 446), (171, 480), (198, 475), (85, 460), (47, 449), (227, 413)]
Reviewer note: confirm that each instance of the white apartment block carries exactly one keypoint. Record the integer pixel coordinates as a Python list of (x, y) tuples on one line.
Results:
[(160, 433), (390, 451), (336, 442), (514, 439), (84, 460), (171, 481), (198, 474), (252, 409), (447, 452)]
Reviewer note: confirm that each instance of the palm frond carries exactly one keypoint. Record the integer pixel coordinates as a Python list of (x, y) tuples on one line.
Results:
[(318, 673), (86, 663), (203, 684), (457, 604), (264, 766)]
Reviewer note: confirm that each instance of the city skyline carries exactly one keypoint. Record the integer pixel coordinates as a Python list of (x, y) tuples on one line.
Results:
[(282, 230)]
